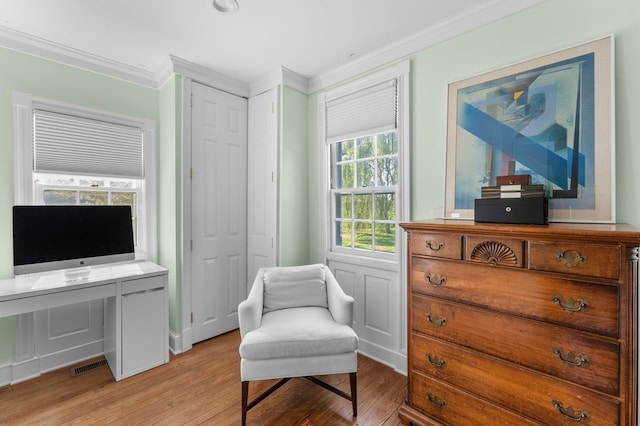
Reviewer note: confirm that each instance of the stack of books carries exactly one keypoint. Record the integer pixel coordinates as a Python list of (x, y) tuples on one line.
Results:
[(512, 200), (512, 191)]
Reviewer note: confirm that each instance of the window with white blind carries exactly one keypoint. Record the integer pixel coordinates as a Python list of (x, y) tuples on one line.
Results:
[(70, 155), (364, 143)]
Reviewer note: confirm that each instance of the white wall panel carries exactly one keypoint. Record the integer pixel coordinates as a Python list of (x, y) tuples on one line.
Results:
[(377, 310)]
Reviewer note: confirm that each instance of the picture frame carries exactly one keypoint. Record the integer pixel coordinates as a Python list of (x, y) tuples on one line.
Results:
[(552, 118)]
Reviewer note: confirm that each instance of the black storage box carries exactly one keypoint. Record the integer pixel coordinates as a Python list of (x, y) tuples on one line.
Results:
[(528, 210)]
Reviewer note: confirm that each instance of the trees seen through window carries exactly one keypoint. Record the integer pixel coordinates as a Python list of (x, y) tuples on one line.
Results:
[(364, 185)]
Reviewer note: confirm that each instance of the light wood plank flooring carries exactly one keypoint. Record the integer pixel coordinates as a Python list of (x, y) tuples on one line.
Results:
[(199, 387)]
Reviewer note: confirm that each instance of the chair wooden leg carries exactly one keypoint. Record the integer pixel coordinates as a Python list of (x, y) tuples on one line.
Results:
[(246, 405), (354, 393), (245, 396)]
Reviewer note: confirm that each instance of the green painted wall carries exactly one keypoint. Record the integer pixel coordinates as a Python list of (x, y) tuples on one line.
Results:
[(551, 26), (169, 198), (293, 225), (51, 80)]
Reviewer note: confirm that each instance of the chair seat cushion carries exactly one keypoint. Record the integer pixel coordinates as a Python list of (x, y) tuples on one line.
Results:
[(298, 332)]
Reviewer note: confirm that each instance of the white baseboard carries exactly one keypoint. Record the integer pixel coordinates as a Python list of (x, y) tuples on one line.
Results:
[(175, 343), (19, 371), (385, 356), (70, 356), (179, 343), (5, 374)]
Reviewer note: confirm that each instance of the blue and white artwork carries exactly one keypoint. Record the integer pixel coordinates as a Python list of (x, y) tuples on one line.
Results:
[(540, 122)]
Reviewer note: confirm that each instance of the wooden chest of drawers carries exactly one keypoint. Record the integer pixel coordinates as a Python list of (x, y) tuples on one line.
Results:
[(519, 325)]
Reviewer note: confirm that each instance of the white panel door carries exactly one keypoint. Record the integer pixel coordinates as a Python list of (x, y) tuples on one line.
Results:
[(263, 182), (219, 210)]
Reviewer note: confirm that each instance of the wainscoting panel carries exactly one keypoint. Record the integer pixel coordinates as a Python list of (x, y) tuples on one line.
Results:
[(377, 312), (67, 334)]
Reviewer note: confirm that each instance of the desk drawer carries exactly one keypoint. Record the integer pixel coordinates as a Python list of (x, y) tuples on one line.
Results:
[(585, 306), (531, 394), (142, 284), (558, 351)]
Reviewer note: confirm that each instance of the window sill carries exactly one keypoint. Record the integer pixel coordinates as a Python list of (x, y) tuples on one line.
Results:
[(367, 261)]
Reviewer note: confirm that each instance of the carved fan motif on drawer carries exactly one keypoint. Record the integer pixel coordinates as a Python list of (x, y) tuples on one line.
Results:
[(495, 253)]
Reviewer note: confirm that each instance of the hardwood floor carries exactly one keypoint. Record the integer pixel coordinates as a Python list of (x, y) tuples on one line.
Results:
[(199, 387)]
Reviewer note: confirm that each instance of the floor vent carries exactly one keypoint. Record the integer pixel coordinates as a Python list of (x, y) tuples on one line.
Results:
[(76, 371)]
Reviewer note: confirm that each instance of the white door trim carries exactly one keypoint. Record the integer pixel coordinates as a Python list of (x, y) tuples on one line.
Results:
[(185, 286)]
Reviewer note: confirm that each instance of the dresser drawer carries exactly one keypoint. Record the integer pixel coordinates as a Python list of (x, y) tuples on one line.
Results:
[(585, 306), (594, 260), (454, 407), (448, 246), (558, 351), (534, 395), (492, 251)]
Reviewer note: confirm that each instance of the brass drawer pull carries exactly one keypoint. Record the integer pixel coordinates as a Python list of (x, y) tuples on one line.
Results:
[(435, 401), (570, 413), (435, 361), (571, 258), (434, 245), (570, 305), (571, 359), (438, 322), (435, 280)]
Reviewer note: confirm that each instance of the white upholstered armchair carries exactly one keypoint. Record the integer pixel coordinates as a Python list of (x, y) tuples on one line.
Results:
[(296, 322)]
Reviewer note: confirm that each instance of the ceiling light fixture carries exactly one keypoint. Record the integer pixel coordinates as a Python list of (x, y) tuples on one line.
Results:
[(226, 6)]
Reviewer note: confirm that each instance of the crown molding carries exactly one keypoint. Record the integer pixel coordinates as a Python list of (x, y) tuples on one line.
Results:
[(25, 43), (204, 75), (282, 76), (295, 80), (483, 14), (487, 12)]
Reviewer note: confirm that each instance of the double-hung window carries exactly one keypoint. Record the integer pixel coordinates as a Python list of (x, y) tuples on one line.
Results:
[(363, 136), (363, 186), (70, 155)]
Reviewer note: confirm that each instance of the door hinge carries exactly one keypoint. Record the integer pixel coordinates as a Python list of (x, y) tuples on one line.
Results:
[(273, 176), (191, 173), (191, 317), (191, 100), (273, 107), (191, 245), (272, 243)]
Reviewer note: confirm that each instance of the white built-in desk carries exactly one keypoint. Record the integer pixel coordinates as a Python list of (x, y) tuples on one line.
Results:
[(136, 320)]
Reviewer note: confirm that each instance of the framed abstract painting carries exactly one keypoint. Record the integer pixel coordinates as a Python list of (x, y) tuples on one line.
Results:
[(550, 118)]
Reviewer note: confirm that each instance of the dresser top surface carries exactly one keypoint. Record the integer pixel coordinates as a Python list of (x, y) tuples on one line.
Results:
[(593, 231)]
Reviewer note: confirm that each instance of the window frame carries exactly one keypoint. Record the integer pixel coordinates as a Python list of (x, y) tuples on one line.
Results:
[(356, 190), (25, 185), (401, 73)]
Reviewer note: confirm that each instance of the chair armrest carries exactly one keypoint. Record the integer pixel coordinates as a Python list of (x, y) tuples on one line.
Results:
[(250, 309), (340, 303)]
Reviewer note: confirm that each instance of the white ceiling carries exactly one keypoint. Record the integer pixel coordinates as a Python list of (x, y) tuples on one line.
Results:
[(310, 38)]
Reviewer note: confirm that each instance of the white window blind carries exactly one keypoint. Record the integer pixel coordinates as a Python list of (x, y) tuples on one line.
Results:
[(371, 110), (69, 144)]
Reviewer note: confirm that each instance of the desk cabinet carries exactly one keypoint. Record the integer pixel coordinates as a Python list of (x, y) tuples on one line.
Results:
[(141, 314), (144, 321), (521, 324)]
